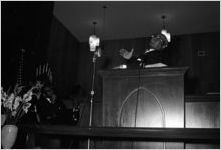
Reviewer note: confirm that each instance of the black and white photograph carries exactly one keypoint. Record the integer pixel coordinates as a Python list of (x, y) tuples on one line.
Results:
[(110, 74)]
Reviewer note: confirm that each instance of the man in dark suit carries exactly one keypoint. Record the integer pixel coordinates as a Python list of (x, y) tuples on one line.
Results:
[(151, 55)]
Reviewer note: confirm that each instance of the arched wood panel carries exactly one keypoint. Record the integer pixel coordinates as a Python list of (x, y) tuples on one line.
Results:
[(159, 102), (141, 108)]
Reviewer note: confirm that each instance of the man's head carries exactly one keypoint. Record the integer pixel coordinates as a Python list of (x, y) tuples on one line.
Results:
[(158, 42)]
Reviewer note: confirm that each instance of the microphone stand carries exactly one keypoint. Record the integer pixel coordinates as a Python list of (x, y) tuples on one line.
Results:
[(92, 95), (141, 62)]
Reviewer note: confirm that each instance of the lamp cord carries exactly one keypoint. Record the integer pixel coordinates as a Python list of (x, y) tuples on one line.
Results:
[(164, 17), (137, 99), (94, 23), (164, 24), (138, 92), (104, 19)]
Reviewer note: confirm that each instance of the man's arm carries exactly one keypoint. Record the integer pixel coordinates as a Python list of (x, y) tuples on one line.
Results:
[(126, 54)]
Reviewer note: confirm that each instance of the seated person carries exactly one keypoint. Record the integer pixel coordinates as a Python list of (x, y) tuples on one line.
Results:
[(151, 56)]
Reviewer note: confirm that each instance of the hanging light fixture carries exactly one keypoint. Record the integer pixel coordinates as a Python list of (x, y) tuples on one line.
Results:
[(94, 41), (104, 18), (164, 31), (101, 47)]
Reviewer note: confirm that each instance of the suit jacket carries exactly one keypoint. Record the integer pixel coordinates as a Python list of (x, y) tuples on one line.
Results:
[(150, 58)]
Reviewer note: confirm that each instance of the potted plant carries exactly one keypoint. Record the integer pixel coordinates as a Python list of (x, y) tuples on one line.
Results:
[(14, 106)]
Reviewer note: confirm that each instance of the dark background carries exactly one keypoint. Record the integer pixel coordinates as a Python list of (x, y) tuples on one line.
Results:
[(24, 25), (32, 26)]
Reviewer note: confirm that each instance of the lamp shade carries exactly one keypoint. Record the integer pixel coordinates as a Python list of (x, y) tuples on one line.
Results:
[(94, 41), (167, 34)]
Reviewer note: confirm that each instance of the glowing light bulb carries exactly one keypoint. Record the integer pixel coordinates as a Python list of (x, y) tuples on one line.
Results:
[(167, 34), (94, 41)]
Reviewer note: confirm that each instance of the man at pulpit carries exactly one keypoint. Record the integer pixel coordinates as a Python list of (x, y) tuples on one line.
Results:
[(152, 57)]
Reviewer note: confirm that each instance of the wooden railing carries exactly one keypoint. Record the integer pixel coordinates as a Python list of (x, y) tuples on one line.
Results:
[(157, 134)]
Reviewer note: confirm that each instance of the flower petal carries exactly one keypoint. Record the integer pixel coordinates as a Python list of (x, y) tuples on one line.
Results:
[(28, 96), (14, 113), (26, 107), (16, 103)]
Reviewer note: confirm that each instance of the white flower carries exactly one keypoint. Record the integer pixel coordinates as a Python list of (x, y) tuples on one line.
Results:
[(26, 106), (3, 95), (11, 97), (14, 105), (8, 102), (16, 102), (27, 97), (14, 113), (18, 89)]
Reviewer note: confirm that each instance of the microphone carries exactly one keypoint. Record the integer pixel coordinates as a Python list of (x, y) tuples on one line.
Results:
[(97, 52)]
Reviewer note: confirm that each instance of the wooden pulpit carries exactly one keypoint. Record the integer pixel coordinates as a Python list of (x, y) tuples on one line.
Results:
[(152, 97)]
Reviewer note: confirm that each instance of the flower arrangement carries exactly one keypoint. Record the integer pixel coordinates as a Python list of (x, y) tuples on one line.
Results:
[(17, 103)]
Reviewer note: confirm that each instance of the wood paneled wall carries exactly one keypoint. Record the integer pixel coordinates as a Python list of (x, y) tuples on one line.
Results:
[(202, 115), (201, 52), (202, 112), (62, 54)]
